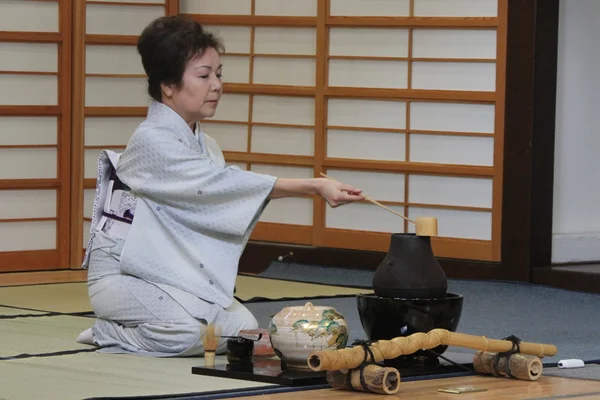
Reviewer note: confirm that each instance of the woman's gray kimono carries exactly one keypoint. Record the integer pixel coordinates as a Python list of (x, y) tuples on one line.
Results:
[(154, 290)]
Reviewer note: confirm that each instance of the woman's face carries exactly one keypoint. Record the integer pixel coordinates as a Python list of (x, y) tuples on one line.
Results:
[(200, 90)]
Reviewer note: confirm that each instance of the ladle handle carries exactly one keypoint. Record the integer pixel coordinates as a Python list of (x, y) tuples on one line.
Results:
[(375, 202)]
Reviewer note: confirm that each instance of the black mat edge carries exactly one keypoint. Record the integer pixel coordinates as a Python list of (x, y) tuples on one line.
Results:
[(51, 354), (216, 394), (73, 314), (269, 300), (44, 284), (274, 265), (307, 282), (260, 391)]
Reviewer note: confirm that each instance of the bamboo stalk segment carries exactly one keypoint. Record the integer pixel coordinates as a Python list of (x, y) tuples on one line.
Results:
[(520, 366), (426, 226), (348, 358), (380, 380)]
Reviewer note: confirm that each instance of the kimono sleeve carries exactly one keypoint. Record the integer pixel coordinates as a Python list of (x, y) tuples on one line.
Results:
[(194, 190)]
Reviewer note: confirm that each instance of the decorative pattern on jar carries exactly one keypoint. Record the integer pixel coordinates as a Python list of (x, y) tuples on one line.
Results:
[(297, 331)]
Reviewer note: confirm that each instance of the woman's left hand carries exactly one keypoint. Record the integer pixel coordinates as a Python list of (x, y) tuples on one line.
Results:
[(338, 193)]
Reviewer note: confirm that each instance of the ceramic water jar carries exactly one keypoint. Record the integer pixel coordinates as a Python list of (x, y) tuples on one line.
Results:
[(297, 331)]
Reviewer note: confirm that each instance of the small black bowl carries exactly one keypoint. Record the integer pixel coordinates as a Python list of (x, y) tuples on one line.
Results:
[(239, 350), (385, 318)]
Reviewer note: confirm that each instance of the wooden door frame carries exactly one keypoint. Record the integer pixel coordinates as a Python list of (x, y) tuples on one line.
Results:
[(529, 123)]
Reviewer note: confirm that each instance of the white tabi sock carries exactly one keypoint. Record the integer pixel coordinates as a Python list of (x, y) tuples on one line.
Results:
[(86, 337)]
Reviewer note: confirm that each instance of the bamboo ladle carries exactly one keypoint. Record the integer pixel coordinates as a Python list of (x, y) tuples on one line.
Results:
[(424, 226)]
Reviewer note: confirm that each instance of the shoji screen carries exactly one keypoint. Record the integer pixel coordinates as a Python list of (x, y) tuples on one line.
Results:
[(403, 98), (414, 116), (266, 121), (112, 98), (34, 134)]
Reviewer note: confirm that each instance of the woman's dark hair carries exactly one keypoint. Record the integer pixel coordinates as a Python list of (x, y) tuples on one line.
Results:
[(166, 46)]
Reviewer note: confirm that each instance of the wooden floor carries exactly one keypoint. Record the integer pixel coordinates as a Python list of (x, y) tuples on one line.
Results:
[(546, 388)]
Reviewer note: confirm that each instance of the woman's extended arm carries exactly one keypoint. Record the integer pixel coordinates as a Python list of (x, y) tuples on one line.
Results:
[(335, 193)]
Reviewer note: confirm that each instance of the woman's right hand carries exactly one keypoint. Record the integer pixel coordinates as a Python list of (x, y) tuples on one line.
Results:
[(338, 193)]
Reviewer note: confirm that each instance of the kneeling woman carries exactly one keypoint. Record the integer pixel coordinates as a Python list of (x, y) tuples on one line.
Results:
[(170, 219)]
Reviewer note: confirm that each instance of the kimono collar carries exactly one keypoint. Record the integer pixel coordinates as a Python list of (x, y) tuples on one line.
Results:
[(165, 114)]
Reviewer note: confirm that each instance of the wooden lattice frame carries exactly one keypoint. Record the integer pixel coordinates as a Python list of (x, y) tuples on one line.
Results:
[(532, 30), (80, 111), (317, 235), (59, 257)]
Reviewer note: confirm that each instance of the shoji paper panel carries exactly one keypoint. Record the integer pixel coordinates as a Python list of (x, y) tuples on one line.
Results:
[(112, 19), (86, 232), (31, 57), (390, 146), (296, 8), (34, 203), (233, 107), (454, 43), (279, 140), (450, 190), (28, 163), (456, 8), (370, 8), (381, 186), (114, 59), (349, 43), (28, 90), (277, 69), (460, 150), (25, 236), (457, 223), (284, 71), (368, 74), (28, 131), (236, 69), (230, 137), (29, 16), (34, 138), (274, 40), (116, 92), (296, 211), (454, 76), (88, 202), (366, 113), (132, 1), (364, 217), (391, 42), (236, 38), (110, 131), (284, 110), (223, 7), (452, 117)]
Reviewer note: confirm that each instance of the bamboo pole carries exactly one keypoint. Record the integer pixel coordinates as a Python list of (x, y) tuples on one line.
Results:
[(349, 358)]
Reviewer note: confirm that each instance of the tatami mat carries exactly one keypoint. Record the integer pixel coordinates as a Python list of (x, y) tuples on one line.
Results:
[(44, 373), (249, 287), (59, 297), (86, 375), (73, 297), (36, 335)]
